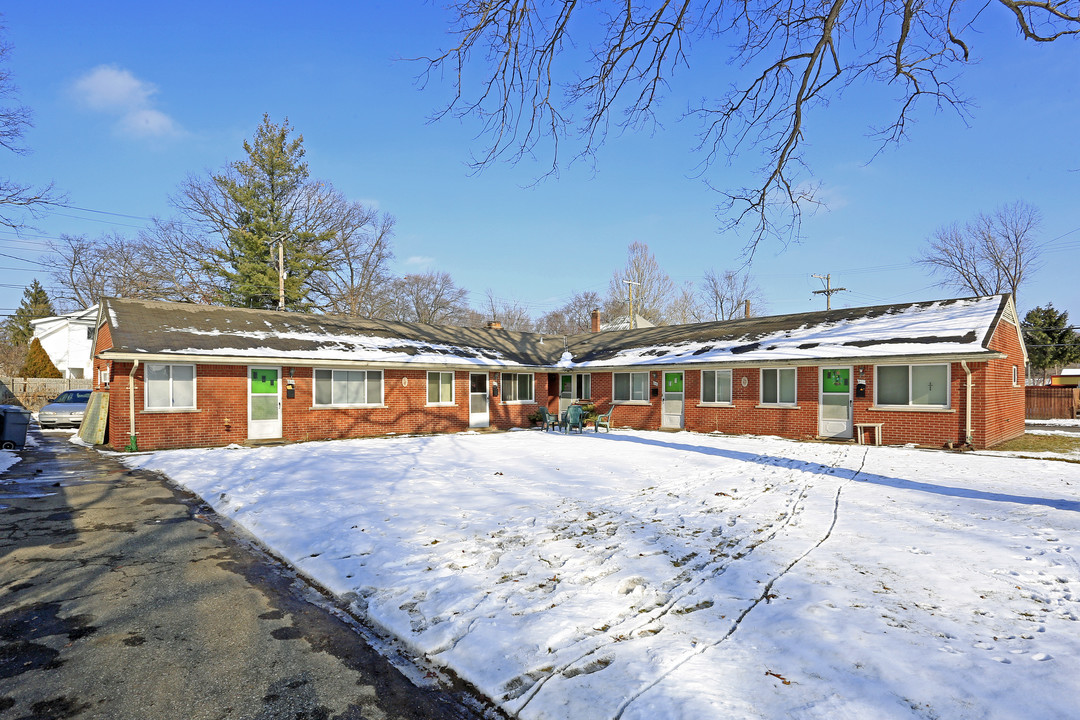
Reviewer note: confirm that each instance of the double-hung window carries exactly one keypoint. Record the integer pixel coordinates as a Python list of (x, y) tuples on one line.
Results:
[(716, 387), (517, 387), (440, 388), (630, 387), (778, 386), (348, 387), (913, 385), (170, 387)]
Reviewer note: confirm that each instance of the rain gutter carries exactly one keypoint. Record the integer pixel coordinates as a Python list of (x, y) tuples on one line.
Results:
[(132, 446), (967, 402)]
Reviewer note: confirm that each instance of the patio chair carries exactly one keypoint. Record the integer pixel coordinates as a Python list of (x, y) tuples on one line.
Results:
[(548, 419), (604, 420), (575, 417)]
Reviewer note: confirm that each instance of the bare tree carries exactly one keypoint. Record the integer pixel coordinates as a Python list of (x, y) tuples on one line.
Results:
[(991, 254), (651, 287), (724, 295), (685, 306), (430, 297), (788, 60), (510, 314), (357, 280), (86, 269), (17, 198), (573, 317)]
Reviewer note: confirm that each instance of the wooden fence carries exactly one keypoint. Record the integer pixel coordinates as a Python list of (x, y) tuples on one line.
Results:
[(32, 393), (1047, 402)]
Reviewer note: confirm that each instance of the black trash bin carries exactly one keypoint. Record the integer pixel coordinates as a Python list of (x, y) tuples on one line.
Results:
[(13, 423)]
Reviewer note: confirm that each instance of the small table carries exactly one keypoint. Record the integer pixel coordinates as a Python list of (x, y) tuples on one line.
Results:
[(860, 428)]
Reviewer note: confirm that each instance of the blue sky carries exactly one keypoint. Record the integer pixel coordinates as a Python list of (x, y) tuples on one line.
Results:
[(129, 98)]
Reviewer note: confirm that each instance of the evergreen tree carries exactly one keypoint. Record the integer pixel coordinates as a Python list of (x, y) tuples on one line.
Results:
[(35, 304), (1050, 341), (38, 363), (269, 199)]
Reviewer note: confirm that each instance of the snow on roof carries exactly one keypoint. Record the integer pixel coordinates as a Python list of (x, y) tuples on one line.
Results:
[(932, 329), (948, 327)]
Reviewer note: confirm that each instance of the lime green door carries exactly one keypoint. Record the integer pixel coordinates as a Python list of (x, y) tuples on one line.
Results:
[(264, 403), (673, 401), (834, 407)]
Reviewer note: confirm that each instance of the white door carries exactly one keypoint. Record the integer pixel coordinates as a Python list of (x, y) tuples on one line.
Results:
[(264, 403), (478, 400), (834, 407), (673, 401)]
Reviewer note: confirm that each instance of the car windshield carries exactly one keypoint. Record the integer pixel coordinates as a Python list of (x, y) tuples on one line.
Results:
[(73, 396)]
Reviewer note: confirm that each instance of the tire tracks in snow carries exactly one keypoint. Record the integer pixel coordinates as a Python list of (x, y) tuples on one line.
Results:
[(762, 597)]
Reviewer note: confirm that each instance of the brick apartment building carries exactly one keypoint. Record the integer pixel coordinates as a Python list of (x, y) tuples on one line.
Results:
[(182, 375)]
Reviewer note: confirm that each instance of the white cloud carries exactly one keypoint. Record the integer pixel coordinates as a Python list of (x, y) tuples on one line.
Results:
[(114, 90), (419, 261)]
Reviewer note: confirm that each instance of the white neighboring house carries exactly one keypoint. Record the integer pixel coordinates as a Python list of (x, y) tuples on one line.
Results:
[(68, 339)]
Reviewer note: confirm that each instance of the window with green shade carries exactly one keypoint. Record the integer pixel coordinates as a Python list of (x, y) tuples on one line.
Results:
[(912, 385), (778, 386), (440, 388), (344, 388), (716, 386)]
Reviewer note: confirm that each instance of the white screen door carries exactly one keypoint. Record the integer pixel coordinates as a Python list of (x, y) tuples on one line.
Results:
[(264, 403)]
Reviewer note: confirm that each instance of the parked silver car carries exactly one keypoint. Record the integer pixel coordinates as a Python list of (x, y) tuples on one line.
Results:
[(67, 408)]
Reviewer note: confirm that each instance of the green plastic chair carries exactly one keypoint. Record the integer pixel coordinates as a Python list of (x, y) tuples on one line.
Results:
[(548, 419), (575, 417), (604, 420)]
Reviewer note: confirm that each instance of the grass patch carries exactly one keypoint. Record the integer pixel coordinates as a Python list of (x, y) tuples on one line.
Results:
[(1041, 443)]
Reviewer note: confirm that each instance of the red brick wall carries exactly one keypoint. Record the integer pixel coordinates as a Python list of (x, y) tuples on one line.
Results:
[(1000, 405), (221, 414)]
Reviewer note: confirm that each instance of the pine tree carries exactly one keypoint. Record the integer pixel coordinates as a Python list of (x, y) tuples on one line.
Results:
[(1050, 342), (38, 363), (35, 304), (266, 193)]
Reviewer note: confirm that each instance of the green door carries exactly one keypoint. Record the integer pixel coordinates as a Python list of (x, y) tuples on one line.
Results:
[(834, 407), (673, 401), (264, 403)]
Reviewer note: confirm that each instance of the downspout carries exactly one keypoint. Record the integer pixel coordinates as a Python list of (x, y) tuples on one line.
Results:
[(132, 445), (967, 403)]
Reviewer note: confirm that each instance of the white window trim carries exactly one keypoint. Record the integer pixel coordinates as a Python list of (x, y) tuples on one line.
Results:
[(502, 394), (147, 407), (382, 388), (648, 388), (453, 389), (1015, 376), (911, 406), (731, 388), (761, 389)]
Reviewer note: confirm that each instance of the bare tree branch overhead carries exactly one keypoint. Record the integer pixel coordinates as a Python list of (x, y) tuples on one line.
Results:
[(551, 71)]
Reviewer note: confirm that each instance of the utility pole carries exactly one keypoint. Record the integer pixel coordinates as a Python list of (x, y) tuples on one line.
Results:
[(630, 291), (828, 291), (279, 240)]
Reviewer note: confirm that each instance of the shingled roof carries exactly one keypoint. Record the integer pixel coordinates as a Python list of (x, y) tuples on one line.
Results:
[(948, 328)]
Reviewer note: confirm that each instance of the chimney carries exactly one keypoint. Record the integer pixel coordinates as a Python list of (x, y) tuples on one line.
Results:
[(747, 313), (494, 325), (595, 321)]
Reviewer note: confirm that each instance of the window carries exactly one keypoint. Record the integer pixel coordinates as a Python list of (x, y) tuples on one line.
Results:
[(440, 388), (1016, 376), (919, 385), (576, 387), (170, 387), (778, 386), (716, 386), (517, 387), (348, 387), (628, 387)]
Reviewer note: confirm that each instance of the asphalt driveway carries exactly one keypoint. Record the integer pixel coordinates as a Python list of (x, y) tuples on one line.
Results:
[(124, 597)]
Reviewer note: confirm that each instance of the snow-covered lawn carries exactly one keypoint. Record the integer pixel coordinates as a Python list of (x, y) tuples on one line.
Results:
[(673, 575)]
